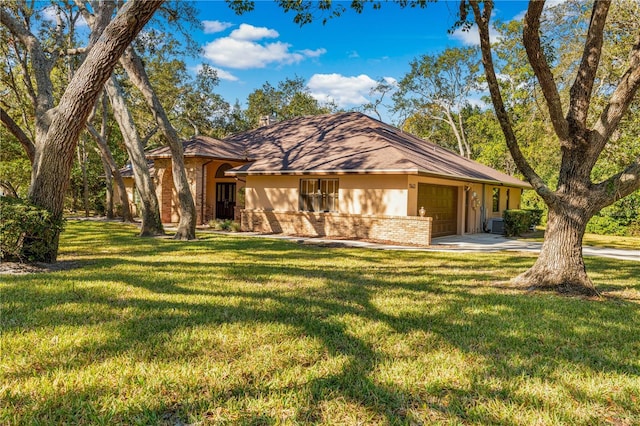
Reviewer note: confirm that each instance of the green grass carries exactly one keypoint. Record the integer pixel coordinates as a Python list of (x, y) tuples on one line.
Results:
[(235, 330), (595, 240)]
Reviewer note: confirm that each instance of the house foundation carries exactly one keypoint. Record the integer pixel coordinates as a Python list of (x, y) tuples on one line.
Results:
[(398, 229)]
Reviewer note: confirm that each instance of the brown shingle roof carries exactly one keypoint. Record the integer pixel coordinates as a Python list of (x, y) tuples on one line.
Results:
[(352, 143), (204, 146)]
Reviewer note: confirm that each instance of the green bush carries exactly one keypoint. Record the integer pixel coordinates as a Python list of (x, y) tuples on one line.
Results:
[(517, 221), (20, 222), (224, 225), (604, 225), (536, 216)]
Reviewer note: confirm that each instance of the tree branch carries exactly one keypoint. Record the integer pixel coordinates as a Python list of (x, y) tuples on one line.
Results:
[(40, 64), (618, 186), (16, 131), (582, 88), (531, 40), (482, 20), (618, 103)]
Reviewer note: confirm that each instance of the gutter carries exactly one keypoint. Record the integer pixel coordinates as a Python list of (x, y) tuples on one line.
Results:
[(523, 185)]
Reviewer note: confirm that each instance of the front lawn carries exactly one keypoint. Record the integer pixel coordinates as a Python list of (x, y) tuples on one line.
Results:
[(236, 330)]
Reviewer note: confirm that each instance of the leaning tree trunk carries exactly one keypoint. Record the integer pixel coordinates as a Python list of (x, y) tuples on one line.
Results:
[(55, 144), (137, 74), (151, 220), (560, 266)]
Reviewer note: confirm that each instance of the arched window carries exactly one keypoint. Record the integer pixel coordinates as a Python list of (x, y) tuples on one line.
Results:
[(223, 168)]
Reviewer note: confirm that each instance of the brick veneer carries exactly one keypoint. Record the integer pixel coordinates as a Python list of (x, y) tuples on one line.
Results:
[(401, 229)]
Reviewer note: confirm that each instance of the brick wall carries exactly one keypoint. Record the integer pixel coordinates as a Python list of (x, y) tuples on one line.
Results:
[(400, 229)]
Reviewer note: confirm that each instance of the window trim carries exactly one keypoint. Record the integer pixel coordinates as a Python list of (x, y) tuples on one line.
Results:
[(320, 201), (495, 208)]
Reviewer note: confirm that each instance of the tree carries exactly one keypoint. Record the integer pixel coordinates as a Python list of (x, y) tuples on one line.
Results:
[(437, 88), (576, 198), (112, 171), (58, 127), (291, 98), (137, 74)]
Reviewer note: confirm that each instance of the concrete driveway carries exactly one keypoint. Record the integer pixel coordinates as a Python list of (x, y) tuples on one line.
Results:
[(471, 243), (491, 242)]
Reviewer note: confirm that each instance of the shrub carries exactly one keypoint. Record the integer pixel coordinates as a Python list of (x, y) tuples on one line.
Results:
[(20, 222), (517, 221), (224, 225), (603, 225), (536, 216)]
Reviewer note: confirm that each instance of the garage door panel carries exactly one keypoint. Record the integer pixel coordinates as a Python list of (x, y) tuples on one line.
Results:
[(440, 203)]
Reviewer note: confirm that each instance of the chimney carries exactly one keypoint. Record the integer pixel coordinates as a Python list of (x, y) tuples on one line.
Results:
[(266, 120)]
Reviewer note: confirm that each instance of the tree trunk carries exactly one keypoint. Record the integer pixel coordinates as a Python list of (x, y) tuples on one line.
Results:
[(560, 266), (137, 74), (105, 154), (82, 160), (151, 220), (108, 181), (55, 144), (449, 120)]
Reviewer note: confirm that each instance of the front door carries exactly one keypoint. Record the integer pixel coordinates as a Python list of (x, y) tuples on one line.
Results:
[(225, 200)]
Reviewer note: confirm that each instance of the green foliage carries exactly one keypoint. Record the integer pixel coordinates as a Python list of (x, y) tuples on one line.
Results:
[(432, 95), (621, 218), (15, 175), (291, 98), (225, 225), (519, 221), (20, 222)]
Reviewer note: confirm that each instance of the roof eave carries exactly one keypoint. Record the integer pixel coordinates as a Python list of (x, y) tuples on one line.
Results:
[(214, 157), (418, 172)]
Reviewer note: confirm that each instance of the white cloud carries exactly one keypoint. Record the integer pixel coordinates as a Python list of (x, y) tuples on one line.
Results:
[(553, 3), (249, 32), (211, 27), (225, 75), (344, 91), (49, 13), (222, 74), (242, 49), (353, 54), (520, 16), (313, 53), (472, 36)]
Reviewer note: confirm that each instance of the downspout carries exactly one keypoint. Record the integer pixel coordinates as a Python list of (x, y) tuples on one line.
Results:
[(202, 192), (483, 210)]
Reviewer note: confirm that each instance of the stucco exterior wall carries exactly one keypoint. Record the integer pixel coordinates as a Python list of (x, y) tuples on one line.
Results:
[(357, 194)]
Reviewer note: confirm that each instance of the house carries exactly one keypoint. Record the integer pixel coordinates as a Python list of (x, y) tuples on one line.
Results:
[(340, 175)]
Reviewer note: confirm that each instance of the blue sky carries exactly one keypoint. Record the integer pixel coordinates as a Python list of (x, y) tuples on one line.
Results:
[(339, 60)]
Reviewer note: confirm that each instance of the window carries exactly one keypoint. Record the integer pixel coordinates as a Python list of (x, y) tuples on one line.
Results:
[(496, 200), (507, 199), (319, 195)]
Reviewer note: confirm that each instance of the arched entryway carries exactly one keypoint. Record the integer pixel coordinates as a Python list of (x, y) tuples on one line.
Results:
[(221, 192)]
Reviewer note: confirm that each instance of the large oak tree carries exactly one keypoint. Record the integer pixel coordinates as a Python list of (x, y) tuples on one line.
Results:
[(576, 197), (58, 127)]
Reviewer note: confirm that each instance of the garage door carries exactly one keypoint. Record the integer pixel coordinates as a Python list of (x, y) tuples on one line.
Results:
[(440, 203)]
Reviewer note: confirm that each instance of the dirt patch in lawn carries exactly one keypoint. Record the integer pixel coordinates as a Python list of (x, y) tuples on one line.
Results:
[(16, 268)]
